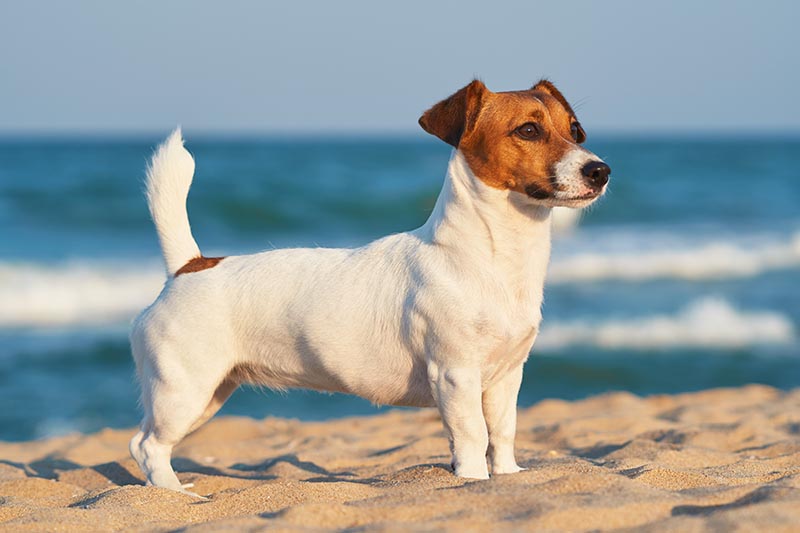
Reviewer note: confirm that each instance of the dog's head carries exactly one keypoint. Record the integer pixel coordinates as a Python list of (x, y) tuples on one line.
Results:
[(524, 141)]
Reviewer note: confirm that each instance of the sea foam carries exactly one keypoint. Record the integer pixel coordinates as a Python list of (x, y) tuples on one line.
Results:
[(89, 292), (692, 259), (703, 323), (34, 295)]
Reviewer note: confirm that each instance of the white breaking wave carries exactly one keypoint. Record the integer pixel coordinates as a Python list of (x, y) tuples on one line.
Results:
[(104, 292), (704, 323), (75, 294), (703, 261)]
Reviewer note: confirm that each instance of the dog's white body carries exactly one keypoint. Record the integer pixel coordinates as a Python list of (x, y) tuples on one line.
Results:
[(444, 316)]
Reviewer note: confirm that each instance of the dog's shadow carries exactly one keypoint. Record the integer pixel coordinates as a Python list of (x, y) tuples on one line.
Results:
[(50, 467), (320, 474)]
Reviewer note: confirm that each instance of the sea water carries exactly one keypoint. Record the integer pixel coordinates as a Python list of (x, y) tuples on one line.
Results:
[(685, 276)]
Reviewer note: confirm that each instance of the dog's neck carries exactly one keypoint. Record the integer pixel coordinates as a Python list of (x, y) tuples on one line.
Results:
[(493, 228)]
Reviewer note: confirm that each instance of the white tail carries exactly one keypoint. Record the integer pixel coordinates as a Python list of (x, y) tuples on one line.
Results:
[(169, 176)]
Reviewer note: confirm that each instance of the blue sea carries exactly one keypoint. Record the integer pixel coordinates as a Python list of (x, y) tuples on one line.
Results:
[(685, 276)]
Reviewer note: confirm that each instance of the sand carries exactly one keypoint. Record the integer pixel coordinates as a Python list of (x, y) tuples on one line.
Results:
[(717, 460)]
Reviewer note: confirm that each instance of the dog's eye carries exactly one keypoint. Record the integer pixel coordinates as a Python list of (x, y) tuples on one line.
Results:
[(529, 130), (577, 132)]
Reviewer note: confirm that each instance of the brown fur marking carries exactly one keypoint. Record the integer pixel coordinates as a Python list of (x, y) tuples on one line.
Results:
[(197, 264), (482, 125), (546, 86), (453, 116)]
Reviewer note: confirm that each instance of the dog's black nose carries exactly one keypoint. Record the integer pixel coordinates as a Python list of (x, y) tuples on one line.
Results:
[(596, 173)]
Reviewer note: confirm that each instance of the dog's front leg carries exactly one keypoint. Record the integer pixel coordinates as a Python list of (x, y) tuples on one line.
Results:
[(500, 410), (458, 396)]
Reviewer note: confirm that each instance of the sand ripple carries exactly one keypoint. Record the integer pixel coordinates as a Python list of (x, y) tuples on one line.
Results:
[(714, 460)]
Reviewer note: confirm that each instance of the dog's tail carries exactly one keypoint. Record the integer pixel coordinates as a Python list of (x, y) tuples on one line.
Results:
[(169, 176)]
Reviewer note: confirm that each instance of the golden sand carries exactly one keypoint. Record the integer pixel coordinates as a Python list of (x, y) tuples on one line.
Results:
[(720, 460)]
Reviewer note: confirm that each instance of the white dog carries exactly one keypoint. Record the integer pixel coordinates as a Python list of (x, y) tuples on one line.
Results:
[(443, 316)]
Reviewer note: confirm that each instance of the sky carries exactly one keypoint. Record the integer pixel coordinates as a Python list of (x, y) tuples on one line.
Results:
[(369, 66)]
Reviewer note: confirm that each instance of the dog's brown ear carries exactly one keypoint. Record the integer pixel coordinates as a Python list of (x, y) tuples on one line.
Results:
[(546, 86), (454, 116)]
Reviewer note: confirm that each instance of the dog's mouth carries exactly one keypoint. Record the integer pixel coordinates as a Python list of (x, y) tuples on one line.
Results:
[(539, 193), (591, 195), (582, 200)]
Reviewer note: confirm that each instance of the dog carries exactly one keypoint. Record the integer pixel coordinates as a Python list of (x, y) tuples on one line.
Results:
[(444, 315)]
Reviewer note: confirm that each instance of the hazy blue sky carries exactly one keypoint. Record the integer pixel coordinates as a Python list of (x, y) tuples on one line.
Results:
[(369, 65)]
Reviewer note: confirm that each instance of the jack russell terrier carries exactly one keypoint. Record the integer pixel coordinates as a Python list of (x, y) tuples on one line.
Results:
[(443, 316)]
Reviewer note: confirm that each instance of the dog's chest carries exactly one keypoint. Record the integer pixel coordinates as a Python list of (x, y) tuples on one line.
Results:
[(508, 351), (508, 326)]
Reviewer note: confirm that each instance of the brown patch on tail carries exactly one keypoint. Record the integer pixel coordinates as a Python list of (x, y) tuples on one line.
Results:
[(197, 264)]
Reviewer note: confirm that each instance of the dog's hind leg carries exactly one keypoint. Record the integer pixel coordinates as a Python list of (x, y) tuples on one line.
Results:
[(223, 392), (175, 398), (175, 409)]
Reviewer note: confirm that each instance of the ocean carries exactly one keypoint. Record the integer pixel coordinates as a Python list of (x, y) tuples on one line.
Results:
[(685, 276)]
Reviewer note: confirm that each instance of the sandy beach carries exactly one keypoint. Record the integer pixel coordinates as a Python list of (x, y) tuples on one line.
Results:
[(722, 459)]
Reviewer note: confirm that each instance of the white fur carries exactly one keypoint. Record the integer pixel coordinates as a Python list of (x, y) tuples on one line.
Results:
[(443, 316), (169, 177), (570, 181)]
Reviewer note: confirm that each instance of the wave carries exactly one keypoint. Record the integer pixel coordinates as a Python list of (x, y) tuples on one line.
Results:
[(104, 292), (703, 323), (73, 294), (108, 294), (666, 259)]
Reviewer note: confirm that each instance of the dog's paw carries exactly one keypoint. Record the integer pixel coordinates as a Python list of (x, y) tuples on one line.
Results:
[(507, 469), (190, 493), (476, 471)]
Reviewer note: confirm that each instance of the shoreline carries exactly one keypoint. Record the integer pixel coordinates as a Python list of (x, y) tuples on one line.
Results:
[(719, 458)]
